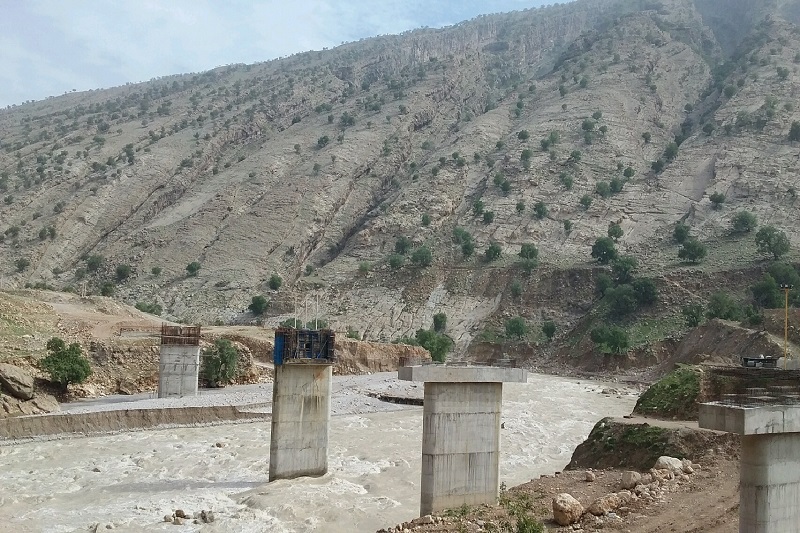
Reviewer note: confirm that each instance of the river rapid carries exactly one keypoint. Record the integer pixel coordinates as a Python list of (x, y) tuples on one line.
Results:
[(131, 480)]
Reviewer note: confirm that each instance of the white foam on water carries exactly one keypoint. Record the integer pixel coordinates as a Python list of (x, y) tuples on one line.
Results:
[(372, 482)]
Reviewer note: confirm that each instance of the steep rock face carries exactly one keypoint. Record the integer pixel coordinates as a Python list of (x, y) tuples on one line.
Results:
[(313, 166)]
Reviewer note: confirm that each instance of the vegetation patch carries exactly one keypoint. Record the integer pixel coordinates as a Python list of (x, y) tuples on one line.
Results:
[(616, 445), (673, 396)]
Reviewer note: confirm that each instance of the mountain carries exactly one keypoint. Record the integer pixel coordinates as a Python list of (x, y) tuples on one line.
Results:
[(311, 168)]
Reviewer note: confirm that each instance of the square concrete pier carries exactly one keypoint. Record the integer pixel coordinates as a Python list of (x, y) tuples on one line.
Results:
[(769, 494), (460, 432), (301, 413)]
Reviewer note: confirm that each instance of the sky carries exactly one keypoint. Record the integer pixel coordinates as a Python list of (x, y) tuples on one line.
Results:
[(49, 47)]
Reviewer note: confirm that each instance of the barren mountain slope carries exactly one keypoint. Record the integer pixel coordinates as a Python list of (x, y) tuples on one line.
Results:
[(311, 167)]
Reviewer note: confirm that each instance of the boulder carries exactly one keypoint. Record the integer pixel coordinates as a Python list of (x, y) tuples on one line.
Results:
[(566, 509), (672, 464), (589, 476), (687, 466), (630, 479), (16, 381), (610, 502), (46, 403)]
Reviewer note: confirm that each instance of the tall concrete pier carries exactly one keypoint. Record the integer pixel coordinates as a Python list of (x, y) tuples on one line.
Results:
[(460, 433), (769, 494), (301, 402), (301, 414), (179, 361)]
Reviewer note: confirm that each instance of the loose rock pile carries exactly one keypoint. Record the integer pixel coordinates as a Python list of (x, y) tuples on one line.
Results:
[(665, 476), (180, 517)]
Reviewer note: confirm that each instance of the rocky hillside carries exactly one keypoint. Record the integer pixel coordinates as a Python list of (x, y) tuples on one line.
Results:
[(537, 127)]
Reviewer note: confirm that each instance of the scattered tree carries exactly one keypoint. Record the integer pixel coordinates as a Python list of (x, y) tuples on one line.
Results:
[(586, 201), (540, 210), (646, 291), (680, 233), (422, 256), (156, 271), (529, 251), (21, 264), (717, 199), (258, 305), (402, 245), (147, 307), (107, 289), (722, 305), (603, 283), (437, 344), (610, 339), (219, 363), (65, 364), (603, 250), (771, 240), (794, 131), (275, 282), (615, 231), (692, 315), (623, 268), (439, 322), (743, 222), (123, 272), (622, 300), (493, 252), (692, 250)]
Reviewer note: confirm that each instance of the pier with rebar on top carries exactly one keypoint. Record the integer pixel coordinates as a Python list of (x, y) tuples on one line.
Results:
[(179, 361)]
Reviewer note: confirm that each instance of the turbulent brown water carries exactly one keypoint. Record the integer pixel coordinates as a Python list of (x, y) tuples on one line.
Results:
[(132, 480)]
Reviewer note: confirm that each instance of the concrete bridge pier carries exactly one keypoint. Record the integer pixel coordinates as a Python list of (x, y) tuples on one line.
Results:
[(301, 413), (769, 494), (460, 433)]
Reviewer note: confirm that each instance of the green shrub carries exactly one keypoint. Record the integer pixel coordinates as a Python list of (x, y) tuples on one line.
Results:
[(516, 327), (549, 329), (107, 289), (147, 307), (439, 322), (193, 268), (123, 272), (396, 261), (675, 395), (422, 256), (94, 262), (275, 282)]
